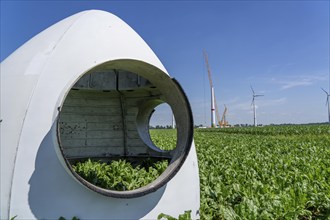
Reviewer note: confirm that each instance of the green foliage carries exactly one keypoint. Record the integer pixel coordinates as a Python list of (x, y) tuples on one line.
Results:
[(119, 175), (13, 218), (185, 216), (273, 172), (164, 139)]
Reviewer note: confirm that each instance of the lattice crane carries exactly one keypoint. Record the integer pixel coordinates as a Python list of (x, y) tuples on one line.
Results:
[(224, 122)]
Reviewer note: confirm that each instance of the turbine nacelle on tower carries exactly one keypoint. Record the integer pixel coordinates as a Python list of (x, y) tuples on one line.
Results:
[(254, 95), (327, 103), (327, 96)]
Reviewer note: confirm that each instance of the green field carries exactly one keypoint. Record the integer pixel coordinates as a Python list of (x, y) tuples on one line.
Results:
[(271, 172)]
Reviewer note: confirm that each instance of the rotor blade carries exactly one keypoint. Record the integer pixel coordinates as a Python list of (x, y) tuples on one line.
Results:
[(252, 103), (252, 89), (327, 102), (325, 91), (258, 95)]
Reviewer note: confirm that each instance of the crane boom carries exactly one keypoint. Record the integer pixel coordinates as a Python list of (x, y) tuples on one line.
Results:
[(214, 106), (224, 123), (208, 68)]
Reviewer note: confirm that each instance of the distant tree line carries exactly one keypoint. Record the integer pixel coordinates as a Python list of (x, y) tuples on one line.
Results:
[(160, 127), (236, 125)]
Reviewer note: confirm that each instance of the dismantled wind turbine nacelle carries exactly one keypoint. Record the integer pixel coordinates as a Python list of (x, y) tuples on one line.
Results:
[(84, 90)]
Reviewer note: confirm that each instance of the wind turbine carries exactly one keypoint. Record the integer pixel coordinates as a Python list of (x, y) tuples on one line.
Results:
[(254, 95), (327, 103)]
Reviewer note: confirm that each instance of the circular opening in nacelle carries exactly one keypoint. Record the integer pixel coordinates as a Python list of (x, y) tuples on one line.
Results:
[(103, 129)]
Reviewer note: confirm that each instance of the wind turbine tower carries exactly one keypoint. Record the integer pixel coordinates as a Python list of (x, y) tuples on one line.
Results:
[(327, 103), (254, 95)]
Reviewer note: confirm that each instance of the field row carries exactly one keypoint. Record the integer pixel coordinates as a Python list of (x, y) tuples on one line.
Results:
[(273, 172)]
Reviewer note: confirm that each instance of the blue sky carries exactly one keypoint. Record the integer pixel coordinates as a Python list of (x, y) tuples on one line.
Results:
[(281, 48)]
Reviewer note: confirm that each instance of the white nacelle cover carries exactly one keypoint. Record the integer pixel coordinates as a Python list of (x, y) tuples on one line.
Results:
[(35, 183)]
